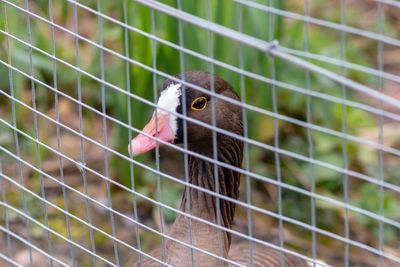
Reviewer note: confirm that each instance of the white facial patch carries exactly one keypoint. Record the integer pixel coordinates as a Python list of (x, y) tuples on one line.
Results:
[(169, 100)]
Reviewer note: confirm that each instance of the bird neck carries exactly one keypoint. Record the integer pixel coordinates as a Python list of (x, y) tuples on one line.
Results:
[(210, 176)]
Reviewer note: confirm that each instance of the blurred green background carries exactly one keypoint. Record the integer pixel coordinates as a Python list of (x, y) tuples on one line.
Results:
[(117, 73)]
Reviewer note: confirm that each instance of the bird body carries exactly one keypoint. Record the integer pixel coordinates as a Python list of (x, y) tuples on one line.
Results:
[(202, 204)]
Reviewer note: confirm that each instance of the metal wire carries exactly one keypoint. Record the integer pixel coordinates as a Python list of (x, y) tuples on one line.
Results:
[(9, 260), (323, 23), (3, 193), (389, 2), (15, 133), (157, 154), (36, 132), (142, 225), (245, 135), (264, 46), (55, 84), (272, 48), (250, 141), (185, 139), (263, 178), (103, 106), (82, 149), (131, 170), (387, 108), (309, 131), (214, 134), (221, 196), (204, 190), (380, 126), (276, 132), (344, 130)]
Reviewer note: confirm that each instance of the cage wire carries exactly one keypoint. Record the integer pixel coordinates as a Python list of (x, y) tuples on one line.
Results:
[(318, 82)]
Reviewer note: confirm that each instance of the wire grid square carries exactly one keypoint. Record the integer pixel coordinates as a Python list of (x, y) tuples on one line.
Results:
[(81, 79)]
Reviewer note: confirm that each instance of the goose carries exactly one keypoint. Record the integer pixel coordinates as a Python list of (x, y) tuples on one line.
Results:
[(201, 173)]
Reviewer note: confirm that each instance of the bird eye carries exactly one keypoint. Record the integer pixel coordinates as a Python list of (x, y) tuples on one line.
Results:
[(199, 103)]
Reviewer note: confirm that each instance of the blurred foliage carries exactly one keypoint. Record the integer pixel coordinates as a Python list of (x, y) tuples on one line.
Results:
[(137, 80)]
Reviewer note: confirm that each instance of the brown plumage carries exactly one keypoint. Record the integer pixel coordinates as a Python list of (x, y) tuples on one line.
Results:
[(230, 151)]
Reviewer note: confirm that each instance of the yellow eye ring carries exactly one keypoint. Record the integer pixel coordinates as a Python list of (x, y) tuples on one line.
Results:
[(199, 103)]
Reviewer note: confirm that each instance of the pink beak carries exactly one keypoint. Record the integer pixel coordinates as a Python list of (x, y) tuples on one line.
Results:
[(142, 143)]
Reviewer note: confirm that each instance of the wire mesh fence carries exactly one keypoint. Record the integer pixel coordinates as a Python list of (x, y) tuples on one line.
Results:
[(319, 105)]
